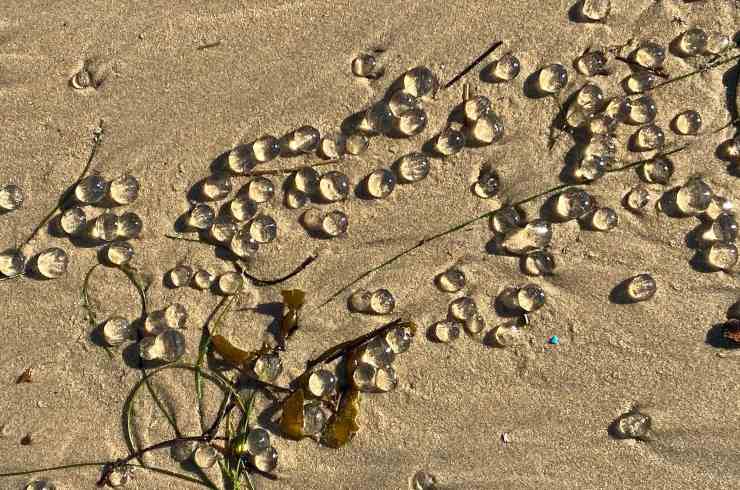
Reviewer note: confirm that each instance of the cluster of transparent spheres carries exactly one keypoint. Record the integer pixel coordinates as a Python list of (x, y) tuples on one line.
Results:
[(374, 370), (378, 302), (162, 339)]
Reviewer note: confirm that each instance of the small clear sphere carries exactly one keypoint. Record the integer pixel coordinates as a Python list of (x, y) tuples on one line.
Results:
[(619, 108), (592, 63), (717, 43), (205, 456), (314, 419), (487, 185), (295, 199), (304, 139), (412, 123), (724, 227), (357, 144), (40, 485), (650, 137), (52, 263), (173, 345), (506, 219), (643, 110), (150, 348), (535, 235), (386, 379), (641, 81), (449, 142), (413, 167), (266, 460), (573, 203), (265, 148), (119, 253), (641, 287), (378, 119), (596, 10), (637, 198), (215, 187), (659, 170), (451, 281), (718, 206), (124, 189), (359, 301), (476, 107), (322, 383), (12, 263), (181, 451), (243, 244), (506, 68), (201, 217), (334, 223), (257, 440), (632, 425), (553, 78), (175, 315), (650, 55), (377, 352), (508, 336), (229, 283), (539, 263), (721, 256), (402, 103), (117, 330), (363, 377), (261, 189), (381, 183), (590, 98), (119, 476), (694, 197), (223, 228), (591, 168), (155, 323), (333, 146), (693, 42), (73, 221), (334, 186), (105, 227), (91, 189), (263, 229), (420, 82), (463, 308), (604, 219), (603, 146), (268, 367), (241, 159), (203, 279), (180, 276), (242, 208), (446, 331), (382, 302), (688, 122), (601, 124), (399, 338), (306, 180), (365, 65), (487, 129), (129, 226), (529, 298)]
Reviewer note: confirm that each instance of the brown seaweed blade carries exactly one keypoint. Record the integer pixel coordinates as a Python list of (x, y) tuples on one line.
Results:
[(343, 424), (293, 301), (231, 353), (291, 421)]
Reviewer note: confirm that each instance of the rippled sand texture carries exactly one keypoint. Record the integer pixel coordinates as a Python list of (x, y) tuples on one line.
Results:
[(170, 109)]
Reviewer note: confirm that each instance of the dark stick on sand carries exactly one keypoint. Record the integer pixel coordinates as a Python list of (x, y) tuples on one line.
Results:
[(472, 65)]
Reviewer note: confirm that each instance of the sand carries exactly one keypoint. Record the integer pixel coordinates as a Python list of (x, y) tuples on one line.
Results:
[(170, 109)]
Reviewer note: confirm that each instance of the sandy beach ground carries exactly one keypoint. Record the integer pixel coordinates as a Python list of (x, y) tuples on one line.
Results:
[(170, 109)]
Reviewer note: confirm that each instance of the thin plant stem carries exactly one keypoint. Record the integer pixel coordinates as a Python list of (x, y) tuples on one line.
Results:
[(707, 67), (342, 349), (473, 64)]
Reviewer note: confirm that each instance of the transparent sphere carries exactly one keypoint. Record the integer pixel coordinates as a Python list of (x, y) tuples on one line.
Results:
[(487, 185), (382, 302), (402, 103), (181, 451), (175, 315), (105, 227), (378, 119), (242, 208), (529, 297), (604, 219), (688, 122), (603, 146), (386, 379), (314, 419), (641, 287), (506, 68), (306, 180), (119, 253), (266, 460), (73, 221), (539, 263), (223, 228), (659, 170), (412, 123), (717, 43), (333, 145), (463, 308), (377, 352), (553, 78), (650, 137), (573, 203), (173, 345), (201, 217), (399, 338), (119, 476), (637, 198), (268, 367), (650, 55), (446, 331), (591, 168), (601, 124), (721, 256), (91, 189), (359, 301), (52, 263), (334, 223), (205, 456), (363, 377), (150, 348), (724, 227), (357, 144), (632, 425), (321, 383), (381, 183), (590, 98), (643, 110), (423, 481), (129, 226), (508, 336), (304, 139), (488, 129), (243, 245), (476, 107), (295, 199), (203, 279), (413, 167), (694, 196), (261, 189), (475, 324), (180, 276), (619, 108), (263, 229), (12, 263), (535, 235), (265, 148), (241, 159), (365, 65), (641, 81), (449, 142), (506, 219), (420, 82), (40, 485), (155, 323), (257, 440), (451, 281), (215, 187), (693, 42), (124, 189), (592, 63), (229, 283), (117, 330), (595, 10), (719, 205), (334, 186)]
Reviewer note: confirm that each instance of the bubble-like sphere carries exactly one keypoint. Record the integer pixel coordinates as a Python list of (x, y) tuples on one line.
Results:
[(105, 227), (261, 189), (413, 167), (359, 301), (175, 315), (334, 186), (632, 425), (596, 10), (381, 183), (693, 42), (446, 331), (242, 208), (119, 253), (590, 98), (181, 451), (241, 159), (724, 227), (641, 81), (295, 199), (694, 196), (314, 419), (451, 281), (180, 276), (215, 187), (487, 185), (229, 283), (641, 287), (553, 78), (412, 123), (529, 297), (205, 456), (402, 103), (266, 461), (203, 279), (650, 137), (591, 167), (124, 189), (52, 263), (201, 217), (304, 139), (334, 223), (40, 485), (399, 338), (506, 219), (129, 226), (386, 379), (487, 129), (263, 229), (306, 180), (155, 323), (357, 144), (637, 198), (463, 308), (619, 108), (721, 256), (643, 110), (449, 142), (377, 352), (257, 440), (265, 148), (420, 82), (223, 228), (91, 189), (12, 263), (659, 170), (601, 124), (604, 219), (573, 203), (363, 376), (603, 146), (592, 63), (322, 383), (476, 107), (173, 345), (73, 220), (333, 145), (423, 481), (506, 68), (378, 119), (688, 122), (719, 205), (11, 197), (508, 336), (150, 348), (366, 66), (650, 55), (268, 367), (717, 43), (117, 330), (539, 263), (536, 235), (382, 302)]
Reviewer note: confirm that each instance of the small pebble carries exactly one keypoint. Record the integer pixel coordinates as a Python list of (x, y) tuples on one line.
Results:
[(688, 122), (413, 167), (263, 229), (52, 263), (641, 287), (11, 197), (304, 139), (554, 340), (604, 219), (124, 189), (180, 276), (553, 78), (381, 183)]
